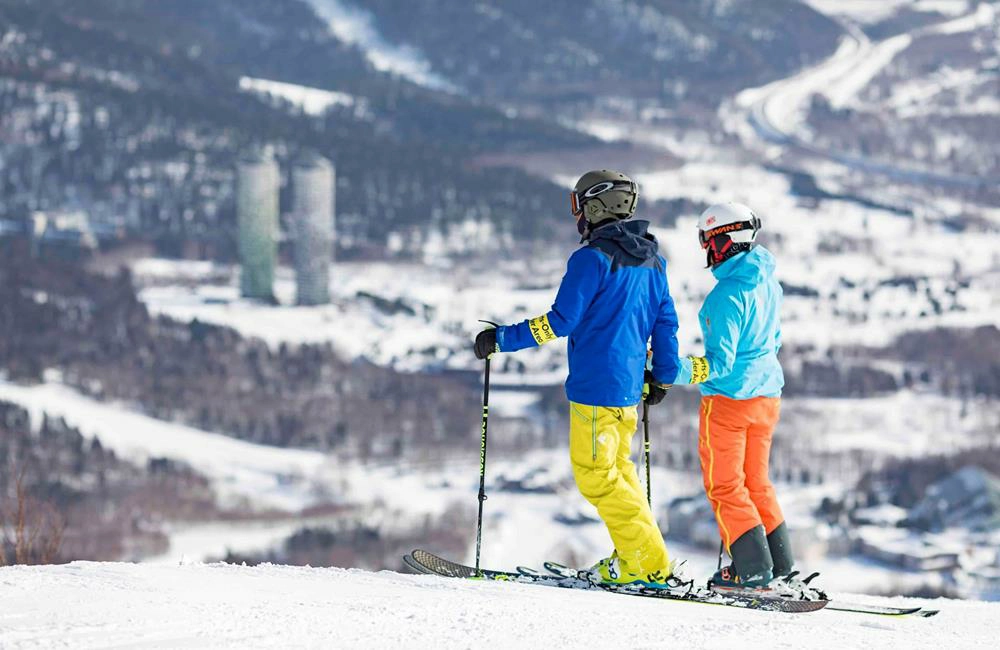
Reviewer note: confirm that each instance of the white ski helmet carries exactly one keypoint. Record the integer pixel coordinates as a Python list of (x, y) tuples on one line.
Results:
[(726, 229)]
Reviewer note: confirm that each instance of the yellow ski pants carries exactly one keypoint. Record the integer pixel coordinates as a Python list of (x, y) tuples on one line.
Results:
[(600, 439)]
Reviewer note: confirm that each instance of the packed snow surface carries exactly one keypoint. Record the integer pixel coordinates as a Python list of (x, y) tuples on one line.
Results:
[(98, 605)]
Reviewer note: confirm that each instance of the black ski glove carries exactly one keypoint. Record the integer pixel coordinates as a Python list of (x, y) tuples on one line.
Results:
[(486, 343), (655, 391)]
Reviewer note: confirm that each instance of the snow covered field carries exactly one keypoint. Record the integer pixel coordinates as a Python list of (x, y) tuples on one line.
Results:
[(95, 605), (407, 316), (856, 264)]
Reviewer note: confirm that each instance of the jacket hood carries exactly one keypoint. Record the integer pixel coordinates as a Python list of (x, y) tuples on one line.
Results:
[(751, 267), (631, 236)]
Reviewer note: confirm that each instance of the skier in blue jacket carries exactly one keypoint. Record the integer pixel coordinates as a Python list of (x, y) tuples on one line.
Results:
[(613, 302)]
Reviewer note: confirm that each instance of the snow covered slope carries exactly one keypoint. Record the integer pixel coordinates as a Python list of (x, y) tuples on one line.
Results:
[(354, 25), (95, 605), (269, 477)]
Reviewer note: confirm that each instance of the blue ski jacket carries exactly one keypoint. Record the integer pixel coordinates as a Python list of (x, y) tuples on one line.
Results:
[(613, 298), (741, 324)]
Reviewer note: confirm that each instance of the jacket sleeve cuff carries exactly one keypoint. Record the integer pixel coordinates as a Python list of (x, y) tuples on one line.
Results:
[(683, 371), (500, 336)]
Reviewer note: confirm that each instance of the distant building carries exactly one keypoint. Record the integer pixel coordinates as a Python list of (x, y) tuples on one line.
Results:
[(257, 187), (968, 498), (66, 234), (312, 218)]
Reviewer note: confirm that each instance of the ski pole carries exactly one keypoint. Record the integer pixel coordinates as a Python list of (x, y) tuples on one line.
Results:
[(645, 429), (645, 445), (482, 461), (721, 547), (482, 456)]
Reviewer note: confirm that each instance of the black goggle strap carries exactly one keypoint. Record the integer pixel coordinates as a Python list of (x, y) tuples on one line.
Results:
[(577, 199)]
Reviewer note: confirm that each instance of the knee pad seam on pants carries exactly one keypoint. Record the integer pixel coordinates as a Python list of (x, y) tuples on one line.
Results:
[(599, 485)]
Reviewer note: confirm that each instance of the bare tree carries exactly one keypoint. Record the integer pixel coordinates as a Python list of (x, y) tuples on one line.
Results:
[(35, 529)]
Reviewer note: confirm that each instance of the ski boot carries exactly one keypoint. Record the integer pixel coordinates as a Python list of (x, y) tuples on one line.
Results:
[(752, 567), (727, 578), (609, 572)]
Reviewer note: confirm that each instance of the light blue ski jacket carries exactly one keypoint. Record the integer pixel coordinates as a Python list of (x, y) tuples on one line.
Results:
[(741, 324)]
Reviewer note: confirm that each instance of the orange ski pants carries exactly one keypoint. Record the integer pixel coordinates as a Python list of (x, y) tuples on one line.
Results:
[(734, 443)]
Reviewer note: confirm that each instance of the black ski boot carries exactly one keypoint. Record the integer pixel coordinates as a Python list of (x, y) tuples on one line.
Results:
[(752, 565), (780, 546), (727, 577)]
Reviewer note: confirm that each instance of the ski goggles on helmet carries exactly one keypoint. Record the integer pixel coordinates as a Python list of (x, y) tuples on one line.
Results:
[(577, 199), (705, 236)]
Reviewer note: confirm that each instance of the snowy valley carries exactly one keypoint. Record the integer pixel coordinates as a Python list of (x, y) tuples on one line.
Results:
[(234, 472)]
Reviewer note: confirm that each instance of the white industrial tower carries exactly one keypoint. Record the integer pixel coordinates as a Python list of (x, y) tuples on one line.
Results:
[(257, 187), (313, 188)]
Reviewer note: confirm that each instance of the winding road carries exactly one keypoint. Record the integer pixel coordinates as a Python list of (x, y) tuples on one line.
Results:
[(776, 112)]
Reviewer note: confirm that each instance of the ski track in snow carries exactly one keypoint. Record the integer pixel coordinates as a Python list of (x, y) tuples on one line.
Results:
[(227, 606), (355, 26), (312, 101)]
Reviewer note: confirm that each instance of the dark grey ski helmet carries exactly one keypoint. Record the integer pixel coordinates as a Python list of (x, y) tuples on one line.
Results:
[(604, 194)]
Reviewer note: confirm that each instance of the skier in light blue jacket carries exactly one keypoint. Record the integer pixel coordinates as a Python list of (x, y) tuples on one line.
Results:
[(741, 381)]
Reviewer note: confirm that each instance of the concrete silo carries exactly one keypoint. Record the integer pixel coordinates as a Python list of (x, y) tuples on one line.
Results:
[(313, 187), (257, 187)]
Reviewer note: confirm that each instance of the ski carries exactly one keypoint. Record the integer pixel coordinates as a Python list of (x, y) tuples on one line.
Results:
[(562, 570), (428, 563), (880, 610), (683, 593), (858, 608), (414, 565)]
